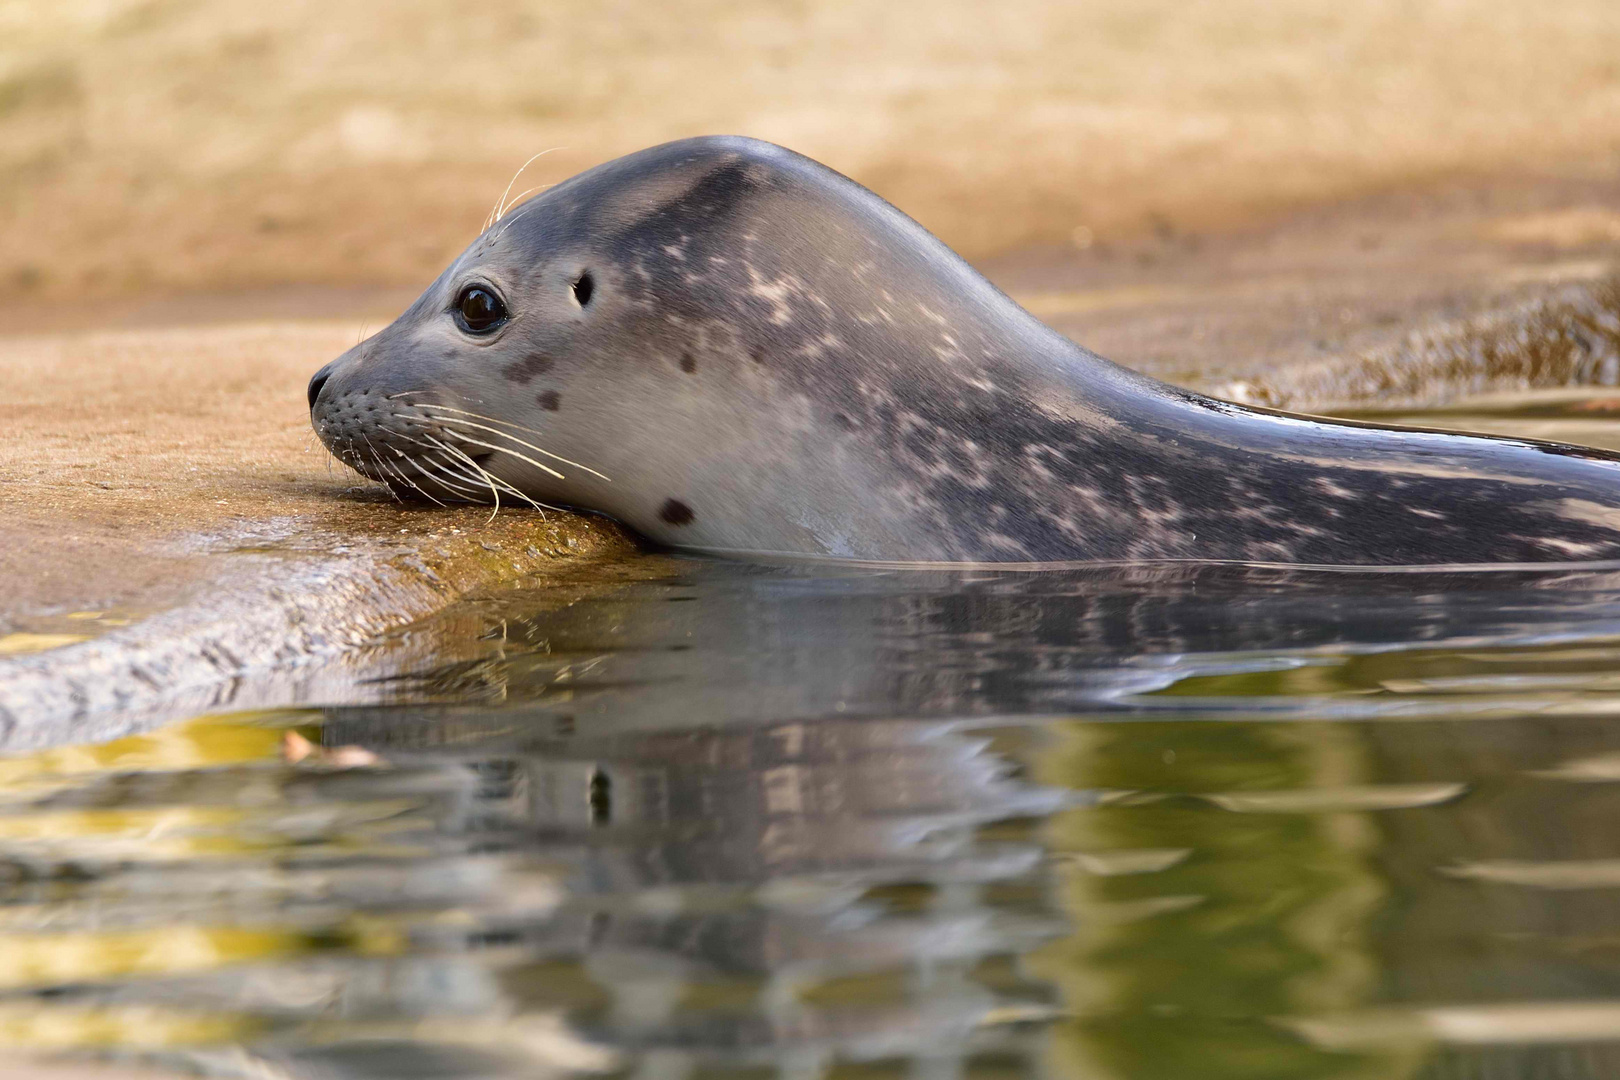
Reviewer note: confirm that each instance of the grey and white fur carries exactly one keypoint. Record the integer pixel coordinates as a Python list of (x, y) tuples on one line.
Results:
[(730, 347)]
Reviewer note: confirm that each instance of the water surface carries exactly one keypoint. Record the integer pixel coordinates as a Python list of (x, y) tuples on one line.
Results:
[(703, 819)]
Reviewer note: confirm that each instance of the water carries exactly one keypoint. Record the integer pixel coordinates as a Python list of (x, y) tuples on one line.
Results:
[(700, 819)]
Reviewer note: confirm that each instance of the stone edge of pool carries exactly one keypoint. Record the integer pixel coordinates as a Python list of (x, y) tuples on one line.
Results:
[(255, 634)]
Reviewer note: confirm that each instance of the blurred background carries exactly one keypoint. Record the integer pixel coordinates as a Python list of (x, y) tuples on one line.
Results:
[(175, 146)]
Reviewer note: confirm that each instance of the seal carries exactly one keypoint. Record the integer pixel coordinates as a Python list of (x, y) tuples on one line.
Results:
[(729, 347)]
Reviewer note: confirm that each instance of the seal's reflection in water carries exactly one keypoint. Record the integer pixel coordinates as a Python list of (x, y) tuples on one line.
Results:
[(714, 820), (652, 715), (719, 643)]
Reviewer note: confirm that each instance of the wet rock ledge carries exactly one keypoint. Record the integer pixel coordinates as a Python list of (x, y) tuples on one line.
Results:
[(288, 617), (173, 539)]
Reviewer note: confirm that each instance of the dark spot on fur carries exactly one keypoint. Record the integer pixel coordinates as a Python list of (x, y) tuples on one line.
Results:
[(527, 368), (688, 363), (757, 354), (550, 400), (843, 420), (676, 512)]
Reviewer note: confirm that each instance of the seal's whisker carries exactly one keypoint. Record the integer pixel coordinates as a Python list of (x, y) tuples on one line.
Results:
[(401, 473), (488, 477), (428, 457), (481, 480), (443, 474), (349, 451), (500, 204), (509, 435), (481, 416), (407, 438), (377, 461), (510, 490), (517, 201), (494, 492), (386, 477), (443, 390), (446, 472), (395, 474), (506, 213), (464, 437)]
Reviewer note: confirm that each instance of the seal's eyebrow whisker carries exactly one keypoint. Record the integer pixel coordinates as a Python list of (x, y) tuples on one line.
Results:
[(518, 200), (509, 435), (507, 213), (500, 204), (513, 205)]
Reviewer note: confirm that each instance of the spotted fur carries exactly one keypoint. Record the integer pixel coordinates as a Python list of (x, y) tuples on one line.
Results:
[(816, 374)]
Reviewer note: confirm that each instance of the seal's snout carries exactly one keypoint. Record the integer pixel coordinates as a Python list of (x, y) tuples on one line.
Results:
[(316, 383)]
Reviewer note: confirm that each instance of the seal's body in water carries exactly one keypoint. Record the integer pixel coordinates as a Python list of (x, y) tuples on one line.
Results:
[(730, 347)]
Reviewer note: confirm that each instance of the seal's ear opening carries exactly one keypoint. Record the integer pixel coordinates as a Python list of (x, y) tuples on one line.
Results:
[(584, 286)]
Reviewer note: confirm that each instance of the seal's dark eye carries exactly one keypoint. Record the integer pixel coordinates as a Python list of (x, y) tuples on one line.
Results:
[(583, 288), (480, 309)]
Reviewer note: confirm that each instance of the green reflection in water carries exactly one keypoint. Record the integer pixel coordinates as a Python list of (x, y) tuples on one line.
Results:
[(1196, 927)]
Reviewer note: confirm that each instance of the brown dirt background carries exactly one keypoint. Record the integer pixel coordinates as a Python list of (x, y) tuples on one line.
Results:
[(185, 145)]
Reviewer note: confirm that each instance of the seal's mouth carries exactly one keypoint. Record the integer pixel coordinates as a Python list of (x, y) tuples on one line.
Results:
[(423, 450), (440, 470)]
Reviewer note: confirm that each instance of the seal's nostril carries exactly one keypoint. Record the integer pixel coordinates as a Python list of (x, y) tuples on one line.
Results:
[(316, 383)]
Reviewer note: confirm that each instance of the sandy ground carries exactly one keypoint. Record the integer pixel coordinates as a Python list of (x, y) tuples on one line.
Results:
[(138, 459), (167, 145), (123, 444)]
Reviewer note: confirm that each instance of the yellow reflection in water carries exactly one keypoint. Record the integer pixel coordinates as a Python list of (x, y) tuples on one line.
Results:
[(66, 1027), (209, 741), (149, 834), (256, 820), (86, 956)]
